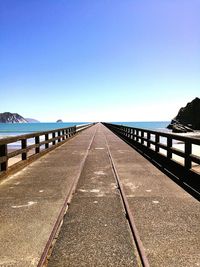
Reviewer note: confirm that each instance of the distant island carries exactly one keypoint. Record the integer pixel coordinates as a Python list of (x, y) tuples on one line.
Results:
[(188, 118), (30, 120), (8, 117)]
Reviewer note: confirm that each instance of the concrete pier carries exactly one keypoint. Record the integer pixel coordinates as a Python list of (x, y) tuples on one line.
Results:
[(95, 231)]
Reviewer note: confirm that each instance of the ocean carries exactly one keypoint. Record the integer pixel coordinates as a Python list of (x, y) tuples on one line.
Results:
[(151, 125), (13, 129)]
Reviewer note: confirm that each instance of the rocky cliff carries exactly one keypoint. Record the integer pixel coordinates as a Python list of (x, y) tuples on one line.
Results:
[(188, 117), (8, 117)]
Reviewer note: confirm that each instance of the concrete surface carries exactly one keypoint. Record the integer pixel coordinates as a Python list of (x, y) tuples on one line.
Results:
[(95, 231), (31, 200), (167, 218)]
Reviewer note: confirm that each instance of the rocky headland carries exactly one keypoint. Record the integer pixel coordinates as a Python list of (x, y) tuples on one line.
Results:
[(188, 118), (8, 117)]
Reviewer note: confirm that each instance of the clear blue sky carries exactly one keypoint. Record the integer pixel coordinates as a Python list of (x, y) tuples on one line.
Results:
[(99, 60)]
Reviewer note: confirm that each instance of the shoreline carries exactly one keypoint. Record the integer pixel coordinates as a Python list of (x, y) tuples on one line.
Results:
[(195, 134)]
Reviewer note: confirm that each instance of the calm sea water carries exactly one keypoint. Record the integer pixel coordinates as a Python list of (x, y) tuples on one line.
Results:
[(151, 125), (11, 129)]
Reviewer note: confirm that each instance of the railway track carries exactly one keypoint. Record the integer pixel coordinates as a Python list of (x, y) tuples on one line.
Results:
[(137, 244), (49, 246), (129, 215)]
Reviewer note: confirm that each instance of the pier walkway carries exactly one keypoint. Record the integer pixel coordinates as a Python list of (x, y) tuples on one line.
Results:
[(103, 186)]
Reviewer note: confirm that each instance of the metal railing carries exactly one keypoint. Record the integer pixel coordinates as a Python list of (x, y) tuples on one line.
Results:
[(31, 146), (180, 154)]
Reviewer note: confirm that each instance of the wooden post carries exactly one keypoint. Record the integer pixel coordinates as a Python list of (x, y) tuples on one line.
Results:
[(188, 152), (53, 136), (63, 133), (67, 133), (37, 142), (46, 139), (128, 132), (131, 135), (169, 146), (24, 146), (4, 153), (157, 140), (142, 135), (137, 133), (148, 139), (59, 136)]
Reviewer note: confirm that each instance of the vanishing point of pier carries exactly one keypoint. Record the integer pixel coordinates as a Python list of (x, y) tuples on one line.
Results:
[(103, 195)]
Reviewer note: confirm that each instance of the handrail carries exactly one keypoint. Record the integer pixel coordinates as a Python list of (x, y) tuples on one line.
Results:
[(42, 143), (31, 135), (151, 143)]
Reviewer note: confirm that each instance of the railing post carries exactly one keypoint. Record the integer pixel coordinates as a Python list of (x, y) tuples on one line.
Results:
[(129, 133), (63, 134), (142, 136), (188, 152), (46, 139), (148, 139), (137, 133), (4, 153), (126, 134), (157, 140), (24, 146), (133, 137), (169, 146), (67, 133), (37, 142), (123, 131), (120, 130), (53, 136), (59, 136)]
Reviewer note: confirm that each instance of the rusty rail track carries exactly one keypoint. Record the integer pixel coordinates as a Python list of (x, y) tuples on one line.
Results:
[(135, 234), (44, 257)]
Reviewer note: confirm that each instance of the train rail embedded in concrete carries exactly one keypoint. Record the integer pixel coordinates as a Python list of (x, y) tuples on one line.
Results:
[(123, 210)]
